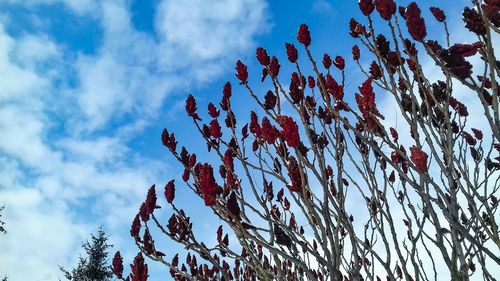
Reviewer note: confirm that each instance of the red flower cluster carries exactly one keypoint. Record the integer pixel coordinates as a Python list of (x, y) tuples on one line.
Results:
[(394, 134), (294, 174), (254, 124), (291, 52), (117, 266), (226, 94), (241, 72), (269, 132), (290, 130), (207, 184), (366, 6), (415, 22), (356, 29), (473, 21), (168, 140), (303, 35), (327, 61), (386, 8), (270, 100), (215, 129), (191, 107), (419, 158), (136, 227), (355, 52), (213, 111), (233, 207), (438, 14), (339, 62), (274, 67), (139, 269), (491, 8), (262, 56), (367, 106), (148, 206), (333, 88), (170, 191)]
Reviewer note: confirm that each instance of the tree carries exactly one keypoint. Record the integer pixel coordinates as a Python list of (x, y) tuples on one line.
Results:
[(2, 223), (318, 185), (95, 266)]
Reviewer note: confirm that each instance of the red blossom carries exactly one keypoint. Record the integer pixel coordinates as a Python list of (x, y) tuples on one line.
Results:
[(419, 158), (294, 174), (213, 111), (375, 71), (170, 191), (394, 134), (241, 72), (254, 124), (355, 52), (150, 202), (270, 100), (310, 82), (356, 29), (226, 94), (191, 107), (269, 132), (327, 61), (233, 207), (415, 22), (139, 269), (262, 56), (208, 186), (303, 35), (477, 133), (215, 129), (168, 140), (438, 14), (473, 21), (290, 130), (339, 62), (136, 227), (366, 6), (386, 8), (117, 267), (274, 67), (291, 52)]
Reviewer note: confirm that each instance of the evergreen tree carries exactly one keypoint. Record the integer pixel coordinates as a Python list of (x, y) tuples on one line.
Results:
[(95, 266)]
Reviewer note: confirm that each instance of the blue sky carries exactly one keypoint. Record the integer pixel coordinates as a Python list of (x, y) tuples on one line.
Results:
[(86, 86)]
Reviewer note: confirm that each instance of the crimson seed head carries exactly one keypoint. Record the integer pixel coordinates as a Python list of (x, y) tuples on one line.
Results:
[(117, 265), (303, 35), (339, 62), (170, 191), (386, 8), (270, 100), (310, 82), (191, 106), (355, 52), (473, 21), (419, 158), (290, 130), (477, 133), (327, 61), (262, 56), (136, 227), (274, 67), (226, 94), (139, 269), (438, 14), (291, 52), (414, 22), (366, 6), (215, 129), (241, 71)]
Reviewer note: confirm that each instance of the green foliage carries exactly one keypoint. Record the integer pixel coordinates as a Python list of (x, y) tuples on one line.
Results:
[(95, 266)]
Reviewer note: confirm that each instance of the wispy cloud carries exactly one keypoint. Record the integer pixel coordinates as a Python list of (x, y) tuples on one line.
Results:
[(67, 118)]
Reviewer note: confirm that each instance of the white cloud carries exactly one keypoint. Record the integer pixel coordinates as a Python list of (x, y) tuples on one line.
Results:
[(64, 149)]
